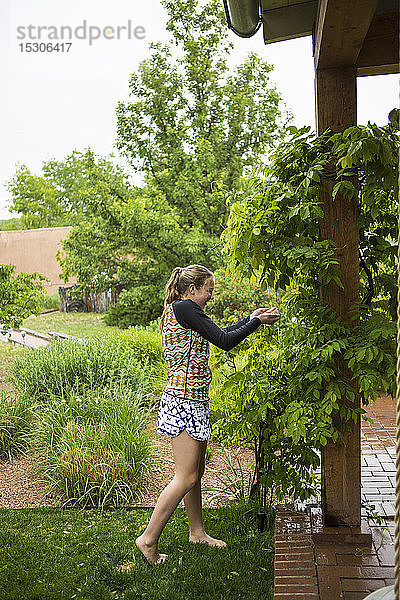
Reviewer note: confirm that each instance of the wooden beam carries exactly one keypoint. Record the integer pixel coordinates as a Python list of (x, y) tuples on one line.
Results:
[(341, 463), (335, 95), (379, 54), (340, 29), (378, 70)]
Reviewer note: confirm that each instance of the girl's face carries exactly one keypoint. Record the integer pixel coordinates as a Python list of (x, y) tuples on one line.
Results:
[(202, 295)]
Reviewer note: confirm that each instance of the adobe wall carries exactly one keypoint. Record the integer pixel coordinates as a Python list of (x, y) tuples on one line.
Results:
[(33, 250)]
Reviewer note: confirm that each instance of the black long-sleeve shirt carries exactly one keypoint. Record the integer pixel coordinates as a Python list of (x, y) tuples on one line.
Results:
[(189, 314)]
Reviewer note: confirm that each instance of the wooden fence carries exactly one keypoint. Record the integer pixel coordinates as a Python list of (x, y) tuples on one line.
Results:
[(87, 302)]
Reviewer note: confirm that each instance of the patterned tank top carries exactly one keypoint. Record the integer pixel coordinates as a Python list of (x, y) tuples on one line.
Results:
[(186, 353)]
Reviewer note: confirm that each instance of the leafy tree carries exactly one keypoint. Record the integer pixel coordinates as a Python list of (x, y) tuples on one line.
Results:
[(69, 190), (289, 396), (20, 296), (234, 297), (192, 127), (10, 224), (192, 124), (37, 199)]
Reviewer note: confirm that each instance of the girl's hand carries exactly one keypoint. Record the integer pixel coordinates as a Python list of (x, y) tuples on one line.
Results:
[(267, 315), (258, 311)]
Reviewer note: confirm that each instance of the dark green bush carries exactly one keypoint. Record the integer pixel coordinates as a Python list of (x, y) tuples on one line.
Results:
[(137, 306)]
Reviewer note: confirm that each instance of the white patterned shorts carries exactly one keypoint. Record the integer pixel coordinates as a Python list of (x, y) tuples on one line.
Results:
[(176, 414)]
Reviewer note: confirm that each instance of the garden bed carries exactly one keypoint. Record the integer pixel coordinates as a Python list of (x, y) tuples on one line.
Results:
[(20, 488)]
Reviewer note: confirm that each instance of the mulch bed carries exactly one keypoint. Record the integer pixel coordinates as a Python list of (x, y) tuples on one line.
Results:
[(20, 487)]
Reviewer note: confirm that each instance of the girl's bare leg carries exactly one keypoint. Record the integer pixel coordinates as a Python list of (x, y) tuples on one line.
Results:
[(194, 510), (187, 453)]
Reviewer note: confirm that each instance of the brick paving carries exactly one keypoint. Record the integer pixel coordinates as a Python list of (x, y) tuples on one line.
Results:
[(316, 563), (378, 456), (295, 568)]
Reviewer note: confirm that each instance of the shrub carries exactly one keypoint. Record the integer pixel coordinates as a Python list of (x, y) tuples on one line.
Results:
[(286, 399), (95, 447), (71, 365), (137, 306), (50, 301), (21, 295), (143, 342), (221, 404), (15, 424)]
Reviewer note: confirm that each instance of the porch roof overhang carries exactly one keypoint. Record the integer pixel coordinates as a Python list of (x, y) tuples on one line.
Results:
[(363, 33)]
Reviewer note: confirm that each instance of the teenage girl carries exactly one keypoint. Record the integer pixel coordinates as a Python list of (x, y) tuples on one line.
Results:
[(184, 412)]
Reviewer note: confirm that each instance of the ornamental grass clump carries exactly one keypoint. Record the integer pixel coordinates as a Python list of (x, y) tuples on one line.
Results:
[(95, 449), (15, 424), (72, 365)]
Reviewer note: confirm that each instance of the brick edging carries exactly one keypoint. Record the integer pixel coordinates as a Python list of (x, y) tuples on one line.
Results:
[(295, 574)]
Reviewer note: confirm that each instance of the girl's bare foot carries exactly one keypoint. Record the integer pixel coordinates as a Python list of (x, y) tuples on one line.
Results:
[(150, 551), (206, 539)]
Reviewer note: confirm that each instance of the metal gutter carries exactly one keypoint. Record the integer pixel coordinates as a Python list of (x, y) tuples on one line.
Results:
[(243, 16)]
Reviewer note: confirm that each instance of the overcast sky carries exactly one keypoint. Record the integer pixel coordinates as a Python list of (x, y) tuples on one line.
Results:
[(54, 102)]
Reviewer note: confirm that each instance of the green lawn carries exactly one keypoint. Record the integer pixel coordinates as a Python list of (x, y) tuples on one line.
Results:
[(50, 554), (78, 324)]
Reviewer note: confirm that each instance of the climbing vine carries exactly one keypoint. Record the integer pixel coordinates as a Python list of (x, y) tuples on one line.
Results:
[(286, 394)]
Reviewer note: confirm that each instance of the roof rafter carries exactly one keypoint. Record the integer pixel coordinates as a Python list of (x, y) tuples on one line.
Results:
[(340, 30), (380, 52)]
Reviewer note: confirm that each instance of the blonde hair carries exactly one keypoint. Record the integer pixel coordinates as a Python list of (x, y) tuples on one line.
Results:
[(181, 278)]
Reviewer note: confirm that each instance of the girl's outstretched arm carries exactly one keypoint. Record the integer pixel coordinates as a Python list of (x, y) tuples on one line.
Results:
[(191, 316), (236, 325)]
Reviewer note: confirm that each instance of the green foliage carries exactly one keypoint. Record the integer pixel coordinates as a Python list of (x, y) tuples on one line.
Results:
[(236, 298), (273, 229), (288, 395), (89, 408), (136, 306), (69, 191), (285, 396), (144, 344), (71, 365), (192, 124), (191, 127), (50, 301), (10, 224), (235, 481), (20, 296), (8, 353), (94, 448), (36, 198), (15, 424)]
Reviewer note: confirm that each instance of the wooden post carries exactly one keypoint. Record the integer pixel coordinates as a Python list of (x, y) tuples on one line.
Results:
[(336, 108)]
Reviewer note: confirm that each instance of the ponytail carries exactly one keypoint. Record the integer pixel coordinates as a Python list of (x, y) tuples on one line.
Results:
[(180, 280)]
